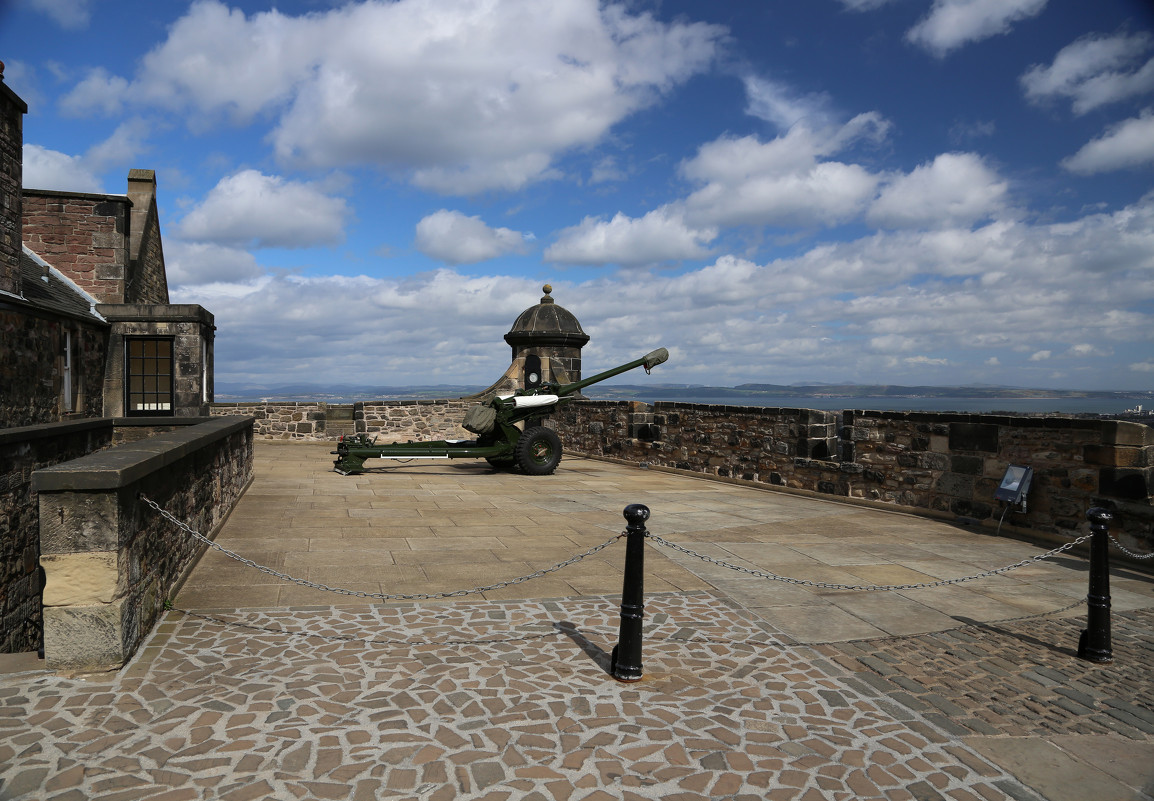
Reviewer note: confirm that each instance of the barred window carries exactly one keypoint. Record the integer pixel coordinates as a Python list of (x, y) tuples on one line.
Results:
[(148, 371)]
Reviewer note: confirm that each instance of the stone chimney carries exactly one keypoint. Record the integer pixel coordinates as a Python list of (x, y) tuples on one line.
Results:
[(12, 111), (142, 193), (147, 281)]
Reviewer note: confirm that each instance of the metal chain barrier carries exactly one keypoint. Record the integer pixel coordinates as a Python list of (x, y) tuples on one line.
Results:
[(867, 587), (383, 596), (1128, 552)]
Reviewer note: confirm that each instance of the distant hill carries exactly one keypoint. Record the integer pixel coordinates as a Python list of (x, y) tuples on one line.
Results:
[(347, 393)]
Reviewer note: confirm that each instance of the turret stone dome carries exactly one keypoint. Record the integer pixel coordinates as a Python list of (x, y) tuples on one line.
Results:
[(546, 324)]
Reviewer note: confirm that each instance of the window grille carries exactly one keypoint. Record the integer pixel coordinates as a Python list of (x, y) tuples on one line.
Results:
[(149, 372)]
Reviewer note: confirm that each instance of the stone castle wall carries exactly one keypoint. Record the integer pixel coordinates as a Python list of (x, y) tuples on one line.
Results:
[(12, 110), (84, 236), (32, 362), (948, 465), (392, 421)]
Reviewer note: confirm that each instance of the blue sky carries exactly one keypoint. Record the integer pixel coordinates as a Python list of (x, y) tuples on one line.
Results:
[(893, 191)]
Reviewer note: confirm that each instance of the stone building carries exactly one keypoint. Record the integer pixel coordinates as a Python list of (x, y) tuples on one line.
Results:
[(86, 333)]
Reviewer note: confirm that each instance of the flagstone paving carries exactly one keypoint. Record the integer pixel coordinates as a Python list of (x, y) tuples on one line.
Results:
[(255, 689)]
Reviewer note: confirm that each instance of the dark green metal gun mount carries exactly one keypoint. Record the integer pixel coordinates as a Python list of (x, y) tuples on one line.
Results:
[(536, 450)]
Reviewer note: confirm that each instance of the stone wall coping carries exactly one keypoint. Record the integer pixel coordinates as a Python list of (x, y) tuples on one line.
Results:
[(414, 402), (1022, 421), (155, 312), (147, 422), (52, 430), (66, 195), (122, 465)]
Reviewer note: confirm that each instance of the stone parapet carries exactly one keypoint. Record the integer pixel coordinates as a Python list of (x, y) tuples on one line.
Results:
[(110, 561), (399, 421), (390, 420), (947, 465), (22, 451)]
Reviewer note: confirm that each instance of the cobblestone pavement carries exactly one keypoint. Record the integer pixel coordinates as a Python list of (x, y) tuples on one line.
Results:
[(751, 691), (511, 700)]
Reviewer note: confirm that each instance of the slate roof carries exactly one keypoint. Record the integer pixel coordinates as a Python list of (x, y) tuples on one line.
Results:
[(45, 287)]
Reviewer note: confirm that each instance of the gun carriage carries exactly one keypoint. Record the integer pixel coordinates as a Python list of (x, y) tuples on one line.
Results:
[(500, 440)]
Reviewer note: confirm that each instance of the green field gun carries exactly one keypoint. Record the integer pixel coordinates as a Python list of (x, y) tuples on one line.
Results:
[(536, 450)]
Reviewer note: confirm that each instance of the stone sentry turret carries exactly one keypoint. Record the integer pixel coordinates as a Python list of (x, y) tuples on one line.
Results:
[(546, 340), (554, 335)]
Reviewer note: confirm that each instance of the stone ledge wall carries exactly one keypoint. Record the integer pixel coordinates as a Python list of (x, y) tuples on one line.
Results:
[(22, 451), (400, 421), (946, 464), (110, 560), (304, 421), (752, 443), (393, 421), (953, 463)]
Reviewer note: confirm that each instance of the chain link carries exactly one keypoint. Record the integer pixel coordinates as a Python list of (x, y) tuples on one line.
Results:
[(1128, 552), (866, 587), (383, 596)]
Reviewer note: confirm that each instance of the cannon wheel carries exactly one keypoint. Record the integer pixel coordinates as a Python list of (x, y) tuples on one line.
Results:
[(538, 451)]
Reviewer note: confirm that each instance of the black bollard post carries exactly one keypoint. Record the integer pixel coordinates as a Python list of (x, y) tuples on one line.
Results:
[(1094, 644), (625, 664)]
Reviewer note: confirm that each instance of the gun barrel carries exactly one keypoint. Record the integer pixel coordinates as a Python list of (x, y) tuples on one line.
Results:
[(649, 361)]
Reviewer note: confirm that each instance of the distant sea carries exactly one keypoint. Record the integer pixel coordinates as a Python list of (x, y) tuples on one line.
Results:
[(968, 405)]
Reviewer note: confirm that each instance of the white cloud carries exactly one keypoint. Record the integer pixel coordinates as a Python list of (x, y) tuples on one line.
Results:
[(1093, 71), (863, 5), (194, 263), (1085, 350), (217, 61), (1142, 367), (460, 97), (915, 304), (251, 209), (1128, 144), (661, 235), (455, 238), (954, 23), (51, 169), (344, 326), (122, 148), (70, 14), (778, 103), (955, 189), (607, 170), (98, 93), (785, 181), (888, 343)]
